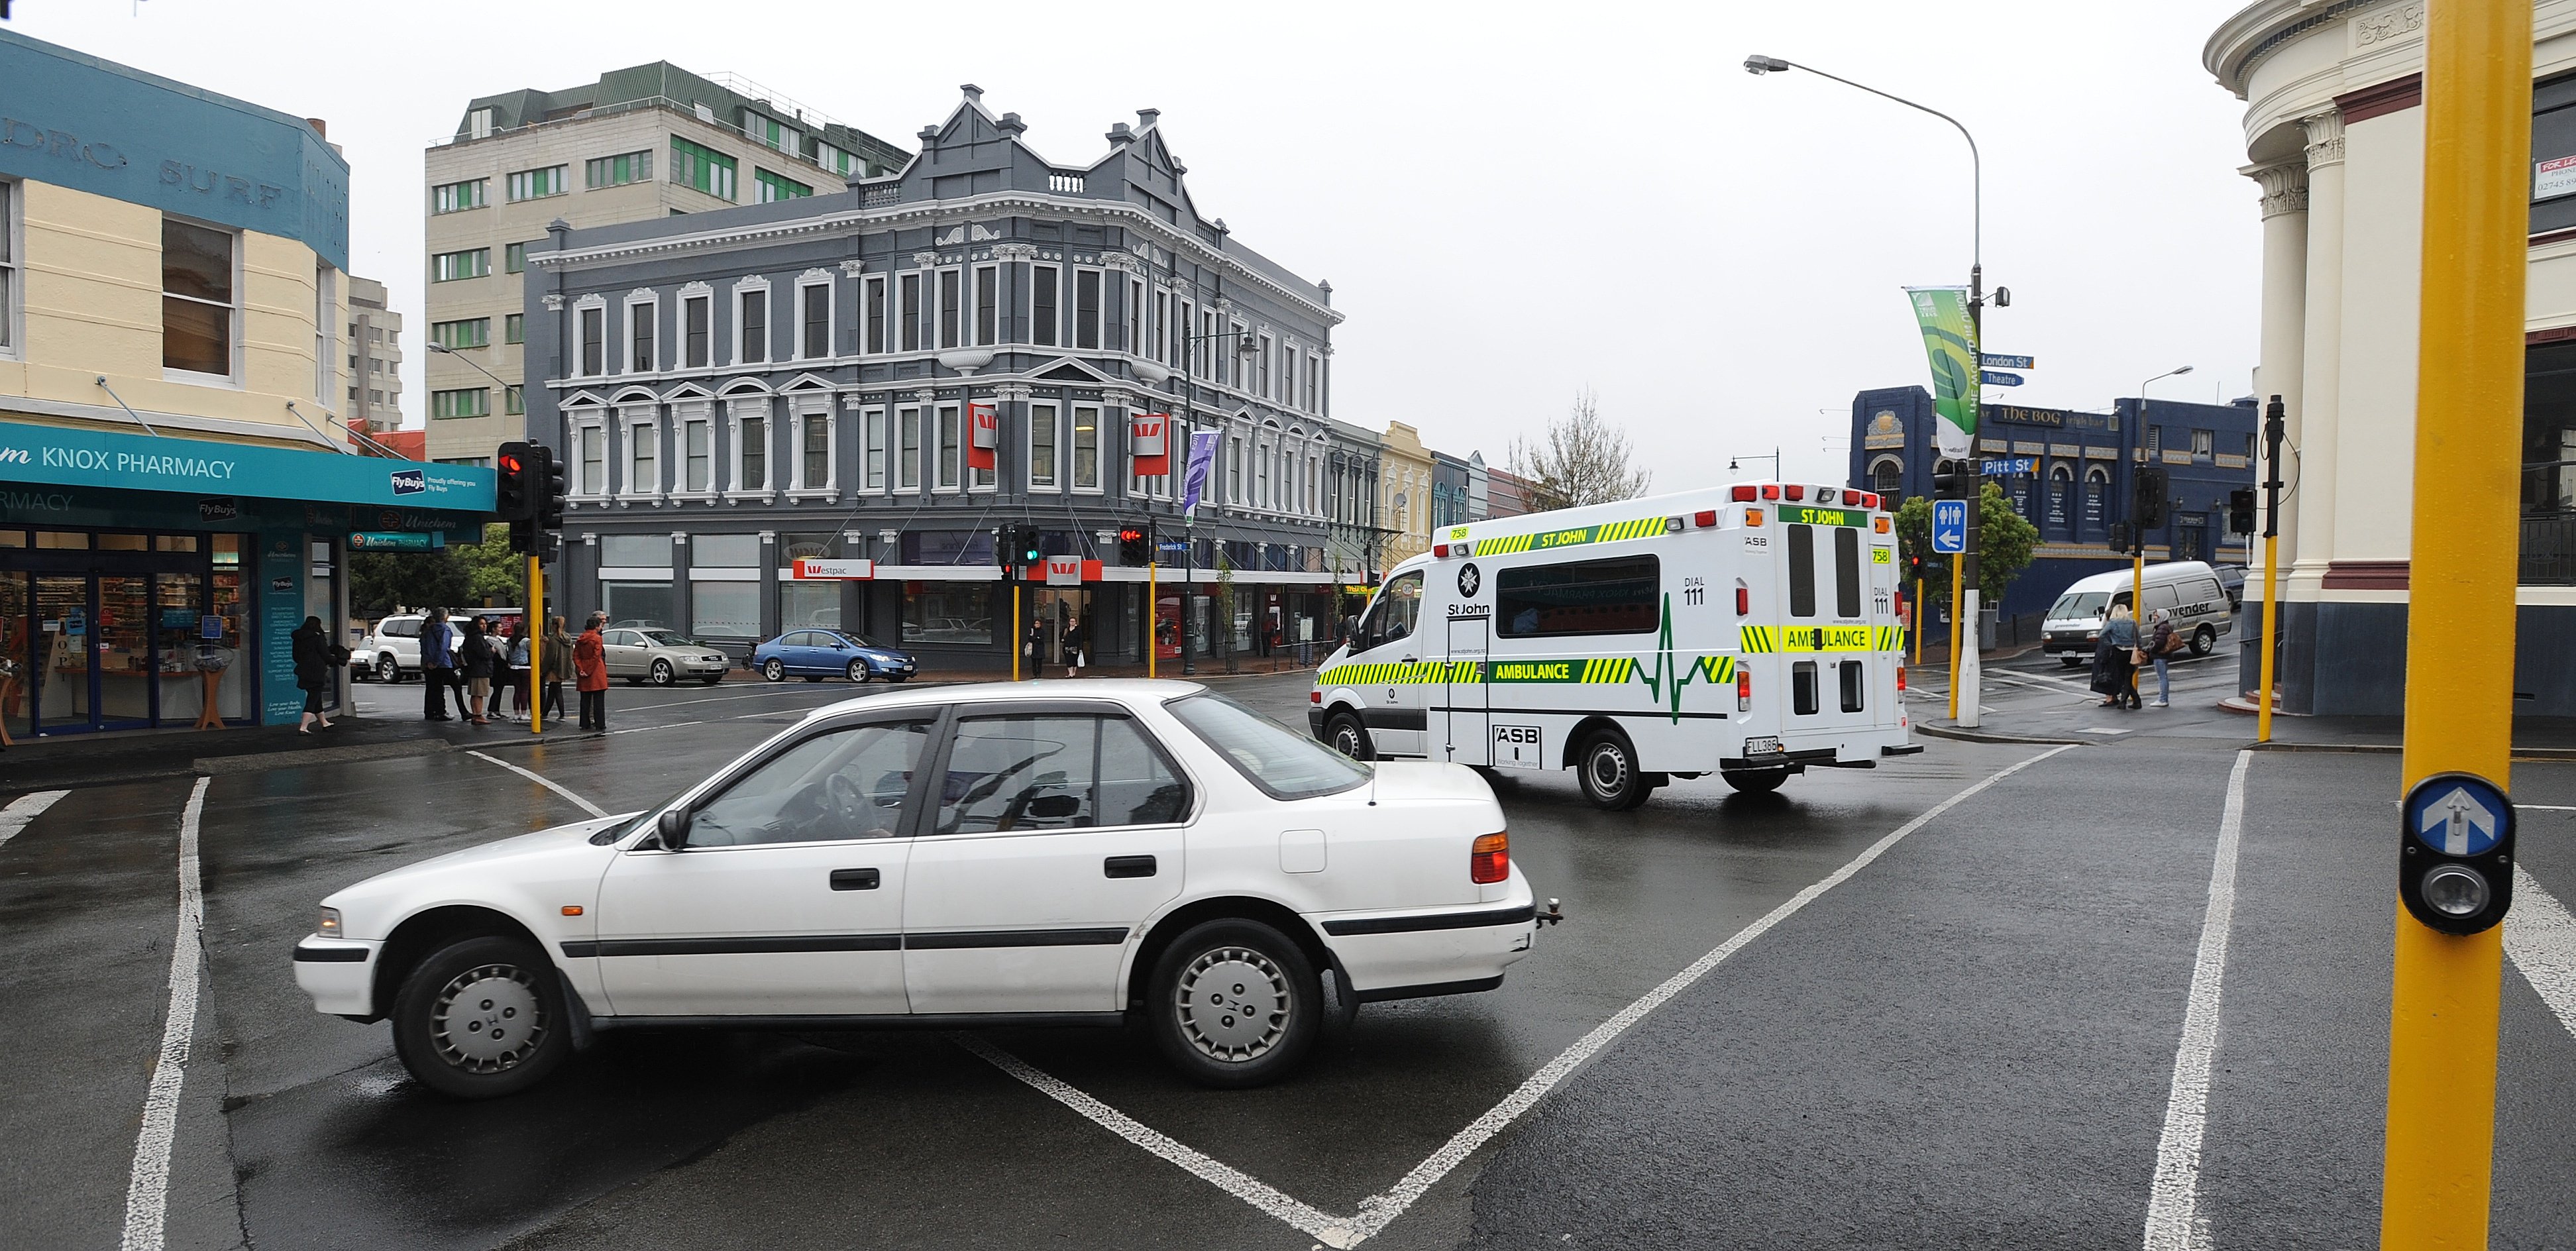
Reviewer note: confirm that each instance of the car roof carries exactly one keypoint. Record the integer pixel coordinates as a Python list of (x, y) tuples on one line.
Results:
[(1121, 690), (2119, 579)]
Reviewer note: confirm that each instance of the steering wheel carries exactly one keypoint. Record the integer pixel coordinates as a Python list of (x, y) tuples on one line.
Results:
[(842, 798)]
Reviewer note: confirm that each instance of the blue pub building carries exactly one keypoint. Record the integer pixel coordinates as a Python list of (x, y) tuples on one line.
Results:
[(2061, 469)]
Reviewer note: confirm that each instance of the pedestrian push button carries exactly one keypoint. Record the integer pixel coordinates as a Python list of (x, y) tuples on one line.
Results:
[(2455, 869)]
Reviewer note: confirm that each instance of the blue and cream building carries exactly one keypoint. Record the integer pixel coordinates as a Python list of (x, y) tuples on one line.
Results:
[(734, 390), (2061, 469), (178, 488)]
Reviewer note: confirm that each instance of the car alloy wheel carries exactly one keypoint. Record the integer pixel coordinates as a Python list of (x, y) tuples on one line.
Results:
[(386, 671), (662, 674), (1234, 1003), (775, 670), (857, 672)]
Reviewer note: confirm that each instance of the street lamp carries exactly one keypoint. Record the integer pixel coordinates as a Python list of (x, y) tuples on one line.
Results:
[(1773, 457), (444, 350), (2137, 532)]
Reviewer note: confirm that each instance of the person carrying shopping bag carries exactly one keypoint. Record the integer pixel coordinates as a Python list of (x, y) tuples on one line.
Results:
[(2163, 644), (2117, 657)]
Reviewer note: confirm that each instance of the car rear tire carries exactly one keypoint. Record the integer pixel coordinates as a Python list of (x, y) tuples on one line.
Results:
[(2204, 640), (775, 670), (1608, 769), (1346, 735), (481, 1018), (857, 672), (663, 674), (387, 671), (1754, 781), (1234, 1003)]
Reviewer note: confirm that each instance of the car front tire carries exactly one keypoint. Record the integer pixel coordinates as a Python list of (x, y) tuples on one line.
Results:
[(1611, 779), (1234, 1003), (2204, 640), (481, 1018), (1346, 735), (775, 670), (857, 672), (663, 675)]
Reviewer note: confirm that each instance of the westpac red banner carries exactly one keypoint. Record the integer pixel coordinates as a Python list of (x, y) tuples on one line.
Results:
[(984, 421), (1149, 443)]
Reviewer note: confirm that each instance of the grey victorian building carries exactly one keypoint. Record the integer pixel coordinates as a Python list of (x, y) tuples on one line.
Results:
[(897, 372)]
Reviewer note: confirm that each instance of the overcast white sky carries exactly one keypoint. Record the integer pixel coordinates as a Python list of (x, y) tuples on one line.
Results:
[(1512, 201)]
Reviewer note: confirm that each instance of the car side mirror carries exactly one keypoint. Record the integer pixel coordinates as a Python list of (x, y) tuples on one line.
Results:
[(672, 827), (1055, 807)]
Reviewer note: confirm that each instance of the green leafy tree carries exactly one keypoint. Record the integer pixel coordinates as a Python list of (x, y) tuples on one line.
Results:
[(2004, 545), (493, 573), (379, 582)]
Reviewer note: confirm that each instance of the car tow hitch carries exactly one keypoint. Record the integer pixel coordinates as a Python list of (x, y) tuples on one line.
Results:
[(1552, 916)]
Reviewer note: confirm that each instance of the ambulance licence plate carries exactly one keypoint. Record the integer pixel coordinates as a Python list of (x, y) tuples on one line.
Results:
[(1765, 746)]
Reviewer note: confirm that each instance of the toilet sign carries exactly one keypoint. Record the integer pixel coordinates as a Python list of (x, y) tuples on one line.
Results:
[(1149, 442), (984, 435)]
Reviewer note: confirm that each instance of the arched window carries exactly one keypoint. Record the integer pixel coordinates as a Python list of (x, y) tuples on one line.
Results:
[(2061, 486), (1887, 477), (2097, 497)]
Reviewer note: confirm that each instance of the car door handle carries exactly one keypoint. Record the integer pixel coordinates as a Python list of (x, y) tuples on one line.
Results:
[(854, 879), (1127, 866)]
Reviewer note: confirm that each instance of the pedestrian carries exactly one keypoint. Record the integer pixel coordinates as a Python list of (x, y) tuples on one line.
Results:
[(519, 652), (1073, 641), (438, 667), (1029, 646), (2162, 645), (474, 660), (311, 650), (557, 653), (590, 669), (2115, 659)]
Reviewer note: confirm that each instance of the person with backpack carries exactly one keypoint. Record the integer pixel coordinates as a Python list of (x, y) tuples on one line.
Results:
[(2162, 645)]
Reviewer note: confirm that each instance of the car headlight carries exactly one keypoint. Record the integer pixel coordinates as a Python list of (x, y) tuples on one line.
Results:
[(328, 925)]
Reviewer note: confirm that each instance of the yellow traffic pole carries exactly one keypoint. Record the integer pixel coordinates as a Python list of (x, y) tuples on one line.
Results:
[(1957, 605), (2434, 1191), (535, 620), (2137, 586), (2263, 710), (1016, 633), (1153, 618)]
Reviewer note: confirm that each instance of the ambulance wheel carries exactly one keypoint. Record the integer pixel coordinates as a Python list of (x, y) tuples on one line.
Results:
[(1346, 735), (2203, 640), (1611, 779), (1754, 781)]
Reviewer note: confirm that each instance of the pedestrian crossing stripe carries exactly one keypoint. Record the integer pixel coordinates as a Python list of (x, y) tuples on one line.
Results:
[(1549, 540), (1767, 639)]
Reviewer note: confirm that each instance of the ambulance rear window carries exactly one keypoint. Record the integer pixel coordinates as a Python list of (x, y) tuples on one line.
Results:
[(1802, 571), (1616, 596), (1846, 571)]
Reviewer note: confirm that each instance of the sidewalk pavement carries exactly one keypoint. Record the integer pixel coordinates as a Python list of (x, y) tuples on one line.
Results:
[(82, 760), (2534, 738)]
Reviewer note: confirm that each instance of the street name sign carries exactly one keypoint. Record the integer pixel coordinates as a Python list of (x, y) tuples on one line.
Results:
[(1997, 360), (2008, 466), (1994, 379), (1949, 526)]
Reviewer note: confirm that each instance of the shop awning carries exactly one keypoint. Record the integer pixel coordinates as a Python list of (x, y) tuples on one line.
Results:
[(68, 456)]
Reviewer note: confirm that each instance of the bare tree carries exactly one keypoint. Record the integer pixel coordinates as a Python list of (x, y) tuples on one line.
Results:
[(1582, 459)]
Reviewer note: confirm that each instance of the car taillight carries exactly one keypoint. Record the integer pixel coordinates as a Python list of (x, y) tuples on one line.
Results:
[(1491, 859), (1743, 690), (1743, 601), (1900, 679), (1314, 697)]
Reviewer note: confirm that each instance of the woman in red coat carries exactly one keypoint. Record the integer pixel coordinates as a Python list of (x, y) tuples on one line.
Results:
[(590, 674)]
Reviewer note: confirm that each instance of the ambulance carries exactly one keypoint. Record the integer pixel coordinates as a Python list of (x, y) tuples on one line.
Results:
[(1748, 631)]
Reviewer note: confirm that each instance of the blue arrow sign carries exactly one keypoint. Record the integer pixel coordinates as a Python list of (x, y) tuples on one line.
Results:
[(2009, 466), (1996, 360), (2458, 815), (1994, 379), (1949, 526)]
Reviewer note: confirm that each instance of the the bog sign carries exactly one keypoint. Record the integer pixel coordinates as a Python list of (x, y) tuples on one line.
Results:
[(1149, 443), (984, 420)]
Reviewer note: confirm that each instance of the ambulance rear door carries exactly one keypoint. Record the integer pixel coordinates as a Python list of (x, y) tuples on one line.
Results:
[(1827, 648), (1463, 702)]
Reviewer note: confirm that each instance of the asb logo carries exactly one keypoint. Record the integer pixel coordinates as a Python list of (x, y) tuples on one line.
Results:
[(410, 482), (1469, 580)]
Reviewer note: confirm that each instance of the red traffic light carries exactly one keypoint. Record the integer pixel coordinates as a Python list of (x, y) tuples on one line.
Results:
[(510, 464)]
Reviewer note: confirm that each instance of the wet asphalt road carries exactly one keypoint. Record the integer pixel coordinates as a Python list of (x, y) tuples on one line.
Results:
[(1968, 1043)]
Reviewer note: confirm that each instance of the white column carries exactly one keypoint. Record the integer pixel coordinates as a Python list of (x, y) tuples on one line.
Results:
[(2319, 416), (2285, 293)]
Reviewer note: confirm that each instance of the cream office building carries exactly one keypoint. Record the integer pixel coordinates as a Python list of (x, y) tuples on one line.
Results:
[(2334, 134)]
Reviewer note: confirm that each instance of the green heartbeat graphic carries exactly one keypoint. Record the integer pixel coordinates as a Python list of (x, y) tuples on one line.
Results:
[(1666, 680)]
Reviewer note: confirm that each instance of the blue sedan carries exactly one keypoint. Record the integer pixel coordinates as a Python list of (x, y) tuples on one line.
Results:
[(818, 654)]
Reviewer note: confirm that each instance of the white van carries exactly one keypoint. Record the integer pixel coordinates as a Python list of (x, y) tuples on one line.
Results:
[(1748, 631), (2188, 589)]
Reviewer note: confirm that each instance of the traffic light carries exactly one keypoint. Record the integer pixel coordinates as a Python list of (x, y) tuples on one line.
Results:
[(2147, 491), (1017, 547), (548, 481), (1948, 479), (1134, 549), (516, 499), (2123, 536), (2240, 511)]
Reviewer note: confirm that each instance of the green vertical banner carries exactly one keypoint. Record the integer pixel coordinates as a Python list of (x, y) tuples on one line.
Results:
[(1950, 339)]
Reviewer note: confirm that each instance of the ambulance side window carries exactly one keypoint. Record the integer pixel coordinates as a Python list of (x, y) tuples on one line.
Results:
[(1392, 616), (1846, 572), (1802, 571), (1620, 595)]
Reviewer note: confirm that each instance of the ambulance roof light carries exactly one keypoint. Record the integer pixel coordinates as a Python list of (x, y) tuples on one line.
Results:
[(1440, 552), (1824, 495), (1706, 517), (1795, 492), (1770, 490), (1743, 494)]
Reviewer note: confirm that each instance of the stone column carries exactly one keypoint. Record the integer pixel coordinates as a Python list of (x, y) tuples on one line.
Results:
[(2319, 417), (2284, 343)]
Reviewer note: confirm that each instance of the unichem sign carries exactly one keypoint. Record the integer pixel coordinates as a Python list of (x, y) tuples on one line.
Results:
[(61, 456)]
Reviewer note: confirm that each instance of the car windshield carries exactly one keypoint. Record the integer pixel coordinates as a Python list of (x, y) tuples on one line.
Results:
[(2079, 604), (1279, 760), (664, 638)]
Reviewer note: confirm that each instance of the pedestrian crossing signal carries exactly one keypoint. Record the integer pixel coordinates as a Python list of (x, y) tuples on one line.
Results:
[(2240, 511)]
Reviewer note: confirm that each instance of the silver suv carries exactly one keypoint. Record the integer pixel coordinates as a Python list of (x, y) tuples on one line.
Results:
[(390, 652)]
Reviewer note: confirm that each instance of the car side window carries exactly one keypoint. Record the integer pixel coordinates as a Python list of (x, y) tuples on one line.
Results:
[(840, 784), (1392, 616), (1019, 773), (796, 638), (1138, 785), (402, 629), (2159, 597)]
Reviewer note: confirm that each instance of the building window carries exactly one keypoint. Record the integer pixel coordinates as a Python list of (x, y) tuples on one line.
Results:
[(1086, 448), (815, 300), (617, 171), (643, 458), (1135, 317), (2155, 441), (751, 436), (907, 453), (514, 258), (773, 134), (814, 467), (1181, 353), (771, 188), (949, 314), (478, 124), (514, 328), (754, 325), (697, 455), (1263, 354), (696, 313), (836, 160), (452, 266), (589, 459), (951, 449), (456, 197), (537, 184), (909, 291), (463, 402), (1086, 308), (2203, 442), (1311, 361), (874, 298), (326, 314), (1234, 470), (988, 304), (473, 332), (1042, 437), (704, 168), (873, 454), (594, 342), (1042, 304), (1229, 363), (197, 292), (514, 400), (639, 337)]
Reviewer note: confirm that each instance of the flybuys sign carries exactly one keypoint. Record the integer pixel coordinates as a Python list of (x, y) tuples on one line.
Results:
[(60, 456)]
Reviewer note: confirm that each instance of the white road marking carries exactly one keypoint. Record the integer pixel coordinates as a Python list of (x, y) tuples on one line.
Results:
[(2101, 729), (147, 1191), (1324, 1228), (544, 781), (1381, 1210), (2541, 808), (642, 728), (2173, 1203), (23, 811), (2540, 935)]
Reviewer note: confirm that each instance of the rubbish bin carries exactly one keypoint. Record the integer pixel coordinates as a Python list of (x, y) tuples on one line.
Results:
[(1986, 618)]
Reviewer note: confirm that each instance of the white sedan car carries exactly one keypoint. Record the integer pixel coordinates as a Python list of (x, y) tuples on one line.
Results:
[(1037, 853)]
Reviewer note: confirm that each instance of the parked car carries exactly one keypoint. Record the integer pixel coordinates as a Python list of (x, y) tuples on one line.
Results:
[(818, 654), (660, 656), (391, 650), (1014, 854)]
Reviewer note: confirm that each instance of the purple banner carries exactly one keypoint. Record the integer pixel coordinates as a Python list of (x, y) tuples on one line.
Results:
[(1202, 462)]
